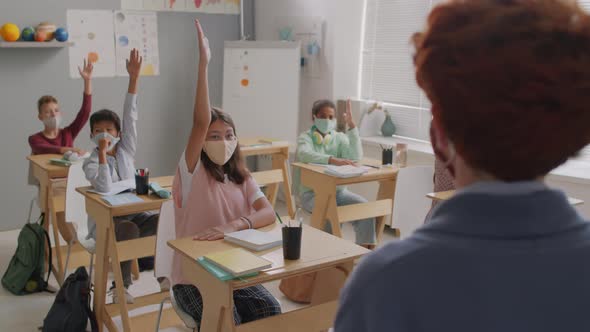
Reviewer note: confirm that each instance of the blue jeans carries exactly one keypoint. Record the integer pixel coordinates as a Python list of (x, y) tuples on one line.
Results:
[(364, 229)]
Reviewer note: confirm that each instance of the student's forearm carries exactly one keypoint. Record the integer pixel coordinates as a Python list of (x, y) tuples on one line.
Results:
[(88, 86), (102, 158), (65, 149), (262, 217), (202, 111), (132, 85)]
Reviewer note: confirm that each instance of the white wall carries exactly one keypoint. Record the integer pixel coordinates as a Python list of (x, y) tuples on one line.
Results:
[(341, 50), (165, 102)]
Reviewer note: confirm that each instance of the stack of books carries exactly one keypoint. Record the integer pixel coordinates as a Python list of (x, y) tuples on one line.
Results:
[(233, 263)]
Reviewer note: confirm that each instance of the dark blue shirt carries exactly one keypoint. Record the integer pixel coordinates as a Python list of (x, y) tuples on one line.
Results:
[(496, 257)]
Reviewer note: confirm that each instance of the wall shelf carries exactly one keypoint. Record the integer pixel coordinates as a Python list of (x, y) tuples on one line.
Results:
[(22, 44)]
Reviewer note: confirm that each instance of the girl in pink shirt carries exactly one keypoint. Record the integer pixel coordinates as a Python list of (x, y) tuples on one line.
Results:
[(215, 194)]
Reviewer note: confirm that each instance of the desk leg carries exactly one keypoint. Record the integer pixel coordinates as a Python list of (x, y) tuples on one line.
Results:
[(44, 187), (217, 296), (273, 189), (386, 191), (116, 266), (281, 162), (318, 215), (332, 216), (60, 274), (101, 273)]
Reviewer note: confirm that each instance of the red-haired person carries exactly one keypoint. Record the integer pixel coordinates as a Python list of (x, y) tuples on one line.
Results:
[(509, 83), (53, 138)]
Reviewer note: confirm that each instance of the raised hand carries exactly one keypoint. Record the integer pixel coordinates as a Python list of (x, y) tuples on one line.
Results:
[(204, 50), (134, 64), (348, 115), (86, 71)]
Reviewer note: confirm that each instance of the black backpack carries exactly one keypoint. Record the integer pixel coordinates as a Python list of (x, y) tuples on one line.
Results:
[(71, 309)]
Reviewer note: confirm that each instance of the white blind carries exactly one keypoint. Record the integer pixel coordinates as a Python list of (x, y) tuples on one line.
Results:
[(387, 69)]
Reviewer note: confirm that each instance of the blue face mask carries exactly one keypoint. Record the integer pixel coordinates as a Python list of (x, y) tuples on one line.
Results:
[(325, 126), (114, 140)]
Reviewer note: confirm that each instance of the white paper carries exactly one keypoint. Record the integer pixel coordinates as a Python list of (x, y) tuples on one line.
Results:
[(132, 4), (214, 6), (117, 187), (93, 33), (346, 171), (137, 30)]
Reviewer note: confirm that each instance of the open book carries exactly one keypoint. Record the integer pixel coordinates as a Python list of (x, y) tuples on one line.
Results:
[(117, 188)]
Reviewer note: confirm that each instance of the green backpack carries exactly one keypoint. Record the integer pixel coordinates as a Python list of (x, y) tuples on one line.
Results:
[(24, 274)]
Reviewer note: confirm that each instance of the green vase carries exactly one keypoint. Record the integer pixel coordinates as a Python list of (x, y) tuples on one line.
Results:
[(388, 128)]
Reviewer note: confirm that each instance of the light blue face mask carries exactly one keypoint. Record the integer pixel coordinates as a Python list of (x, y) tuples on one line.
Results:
[(114, 140), (325, 126)]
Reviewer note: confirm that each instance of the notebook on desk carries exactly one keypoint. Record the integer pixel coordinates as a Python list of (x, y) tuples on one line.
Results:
[(238, 262), (254, 239), (220, 273), (121, 199), (346, 171), (117, 188)]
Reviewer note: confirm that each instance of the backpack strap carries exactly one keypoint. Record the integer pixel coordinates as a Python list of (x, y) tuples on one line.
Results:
[(41, 221), (50, 262), (91, 317)]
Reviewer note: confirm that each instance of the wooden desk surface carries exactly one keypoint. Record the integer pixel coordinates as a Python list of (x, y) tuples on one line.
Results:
[(374, 174), (150, 202), (318, 250), (53, 171), (445, 195), (259, 146)]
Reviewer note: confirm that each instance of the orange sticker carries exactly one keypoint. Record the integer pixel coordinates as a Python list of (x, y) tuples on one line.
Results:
[(245, 82), (93, 57)]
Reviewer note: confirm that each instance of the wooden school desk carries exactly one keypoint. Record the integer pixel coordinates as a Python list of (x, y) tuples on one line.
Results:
[(324, 187), (445, 195), (52, 179), (279, 151), (321, 252), (108, 248)]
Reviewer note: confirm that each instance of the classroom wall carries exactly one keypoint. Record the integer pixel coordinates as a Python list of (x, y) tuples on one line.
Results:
[(341, 50), (165, 102)]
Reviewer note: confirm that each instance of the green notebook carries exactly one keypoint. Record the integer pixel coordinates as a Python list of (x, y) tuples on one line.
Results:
[(220, 273)]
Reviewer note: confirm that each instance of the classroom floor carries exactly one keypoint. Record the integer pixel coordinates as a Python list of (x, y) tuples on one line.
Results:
[(26, 313)]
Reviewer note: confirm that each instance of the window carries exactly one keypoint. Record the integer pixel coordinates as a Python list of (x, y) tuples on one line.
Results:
[(387, 69)]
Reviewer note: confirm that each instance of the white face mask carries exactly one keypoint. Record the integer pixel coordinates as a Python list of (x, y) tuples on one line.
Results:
[(220, 151), (52, 122), (114, 140), (325, 126)]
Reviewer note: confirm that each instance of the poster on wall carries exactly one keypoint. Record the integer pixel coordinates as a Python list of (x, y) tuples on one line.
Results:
[(92, 33), (144, 4), (308, 31), (214, 6), (137, 30), (203, 6)]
